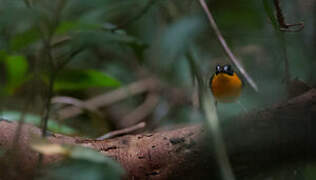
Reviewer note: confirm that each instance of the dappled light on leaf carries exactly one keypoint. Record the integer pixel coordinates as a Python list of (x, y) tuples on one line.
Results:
[(16, 70), (93, 72), (82, 79), (82, 163), (49, 149), (35, 120)]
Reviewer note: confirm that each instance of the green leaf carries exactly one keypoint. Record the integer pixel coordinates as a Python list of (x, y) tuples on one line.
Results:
[(180, 35), (35, 120), (15, 13), (85, 164), (83, 153), (82, 79), (100, 38), (3, 54), (237, 16), (68, 26), (310, 171), (24, 39), (139, 49), (267, 4), (16, 69)]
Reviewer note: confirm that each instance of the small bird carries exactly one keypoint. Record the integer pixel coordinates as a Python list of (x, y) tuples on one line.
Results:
[(225, 84)]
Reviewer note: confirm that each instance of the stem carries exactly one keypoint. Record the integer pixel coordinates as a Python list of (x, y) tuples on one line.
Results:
[(53, 73), (226, 48), (45, 117), (280, 17), (122, 131), (208, 104), (278, 24), (137, 16), (279, 14), (53, 67), (27, 3)]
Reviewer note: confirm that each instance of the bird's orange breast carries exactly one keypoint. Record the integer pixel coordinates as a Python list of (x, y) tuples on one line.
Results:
[(225, 87)]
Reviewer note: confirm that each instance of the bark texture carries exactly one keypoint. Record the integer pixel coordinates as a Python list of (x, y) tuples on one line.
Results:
[(275, 137)]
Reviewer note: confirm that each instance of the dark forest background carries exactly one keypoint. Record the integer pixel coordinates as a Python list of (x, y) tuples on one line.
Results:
[(92, 67)]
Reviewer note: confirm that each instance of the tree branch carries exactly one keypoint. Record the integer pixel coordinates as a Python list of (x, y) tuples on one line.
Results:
[(256, 142), (111, 97)]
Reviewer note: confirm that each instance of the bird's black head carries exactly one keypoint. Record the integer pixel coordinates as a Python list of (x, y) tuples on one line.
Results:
[(224, 69)]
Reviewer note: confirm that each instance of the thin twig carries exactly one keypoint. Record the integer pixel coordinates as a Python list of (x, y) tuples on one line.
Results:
[(52, 77), (208, 105), (27, 3), (52, 66), (137, 16), (45, 117), (60, 40), (279, 23), (283, 26), (75, 102), (55, 69), (122, 131), (226, 48), (112, 97), (142, 111), (68, 100), (68, 58)]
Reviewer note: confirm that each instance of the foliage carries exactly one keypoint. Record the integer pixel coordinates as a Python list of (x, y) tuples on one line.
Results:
[(68, 80), (90, 48), (35, 120), (16, 71), (82, 163)]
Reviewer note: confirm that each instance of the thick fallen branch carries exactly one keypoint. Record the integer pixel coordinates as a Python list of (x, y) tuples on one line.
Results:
[(257, 142)]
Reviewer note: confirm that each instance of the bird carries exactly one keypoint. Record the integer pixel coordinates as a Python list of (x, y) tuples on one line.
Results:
[(225, 84)]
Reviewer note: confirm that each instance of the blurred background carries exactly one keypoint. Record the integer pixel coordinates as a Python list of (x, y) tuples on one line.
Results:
[(105, 65)]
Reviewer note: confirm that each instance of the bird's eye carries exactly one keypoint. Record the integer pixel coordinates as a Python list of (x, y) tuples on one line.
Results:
[(227, 68), (218, 68)]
